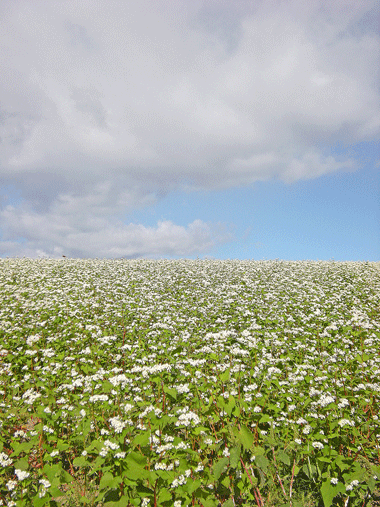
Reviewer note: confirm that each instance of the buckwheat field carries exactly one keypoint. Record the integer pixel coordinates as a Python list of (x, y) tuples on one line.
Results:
[(189, 382)]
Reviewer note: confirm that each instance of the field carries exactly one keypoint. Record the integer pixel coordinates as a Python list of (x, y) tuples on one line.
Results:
[(180, 382)]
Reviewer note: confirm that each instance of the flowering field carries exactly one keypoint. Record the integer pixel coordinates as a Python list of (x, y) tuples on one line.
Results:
[(180, 382)]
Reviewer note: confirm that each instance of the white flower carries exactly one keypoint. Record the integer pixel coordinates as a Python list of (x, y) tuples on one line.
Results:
[(160, 466), (226, 452), (144, 502), (32, 339), (164, 448), (186, 418), (298, 441), (257, 409), (334, 480), (117, 424), (182, 445), (120, 455), (111, 445), (183, 388), (21, 475), (179, 481), (30, 396), (11, 485), (45, 483), (325, 400), (199, 468), (54, 453), (98, 397), (317, 445), (42, 493), (83, 413), (4, 460), (306, 429), (345, 422), (177, 503), (343, 403)]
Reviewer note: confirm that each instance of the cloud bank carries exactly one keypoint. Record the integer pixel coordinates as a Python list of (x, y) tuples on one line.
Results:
[(107, 107)]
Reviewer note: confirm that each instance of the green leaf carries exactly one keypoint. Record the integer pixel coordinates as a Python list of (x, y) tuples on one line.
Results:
[(172, 392), (230, 405), (107, 386), (229, 503), (262, 462), (235, 456), (39, 502), (123, 502), (141, 439), (340, 462), (55, 491), (219, 466), (62, 446), (79, 461), (151, 476), (52, 470), (371, 484), (199, 429), (221, 402), (328, 492), (136, 473), (164, 496), (22, 464), (324, 460), (225, 376), (310, 472), (283, 457), (136, 457), (258, 451), (226, 482), (246, 437), (109, 481), (191, 486), (23, 447), (209, 502)]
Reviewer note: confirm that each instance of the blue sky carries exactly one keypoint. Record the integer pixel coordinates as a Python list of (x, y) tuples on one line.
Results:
[(177, 129), (336, 216)]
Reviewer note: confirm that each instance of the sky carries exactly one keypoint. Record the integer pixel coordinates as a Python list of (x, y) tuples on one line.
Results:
[(171, 129)]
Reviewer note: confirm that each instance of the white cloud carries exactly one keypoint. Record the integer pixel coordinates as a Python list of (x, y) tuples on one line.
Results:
[(54, 234), (109, 106)]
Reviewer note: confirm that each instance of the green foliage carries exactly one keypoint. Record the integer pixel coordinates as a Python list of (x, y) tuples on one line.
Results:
[(261, 389)]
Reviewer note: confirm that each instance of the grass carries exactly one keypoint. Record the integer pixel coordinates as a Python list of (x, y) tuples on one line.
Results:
[(179, 383)]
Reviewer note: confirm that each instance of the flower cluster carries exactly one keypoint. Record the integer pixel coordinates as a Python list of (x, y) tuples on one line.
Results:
[(187, 417)]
